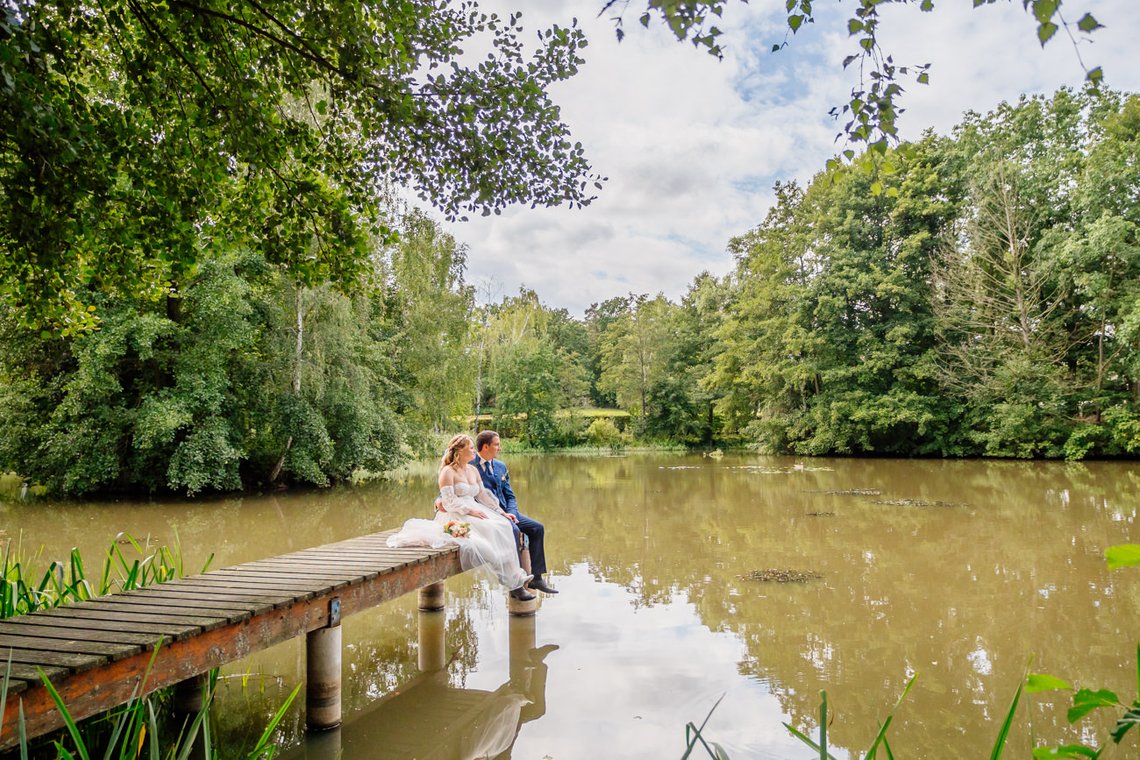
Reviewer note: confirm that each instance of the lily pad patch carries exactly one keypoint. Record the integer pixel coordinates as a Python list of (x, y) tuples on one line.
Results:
[(781, 575)]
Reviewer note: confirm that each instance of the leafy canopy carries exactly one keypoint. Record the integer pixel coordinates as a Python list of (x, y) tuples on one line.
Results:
[(134, 132)]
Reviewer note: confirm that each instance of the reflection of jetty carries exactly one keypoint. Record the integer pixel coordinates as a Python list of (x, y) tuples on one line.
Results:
[(96, 652), (428, 719)]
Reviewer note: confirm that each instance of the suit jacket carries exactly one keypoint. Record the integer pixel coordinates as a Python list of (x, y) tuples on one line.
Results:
[(498, 482)]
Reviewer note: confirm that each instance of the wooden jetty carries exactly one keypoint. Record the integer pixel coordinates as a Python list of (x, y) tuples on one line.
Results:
[(96, 653)]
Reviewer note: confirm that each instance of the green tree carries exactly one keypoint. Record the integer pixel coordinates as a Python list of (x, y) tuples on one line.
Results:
[(599, 317), (827, 346), (135, 132), (764, 371), (527, 385), (633, 352), (681, 402), (431, 312), (533, 368)]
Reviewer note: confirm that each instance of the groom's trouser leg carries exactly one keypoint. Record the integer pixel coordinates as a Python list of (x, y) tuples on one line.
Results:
[(535, 533)]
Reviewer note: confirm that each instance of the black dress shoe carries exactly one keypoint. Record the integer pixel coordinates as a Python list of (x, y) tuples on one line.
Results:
[(521, 594), (538, 584)]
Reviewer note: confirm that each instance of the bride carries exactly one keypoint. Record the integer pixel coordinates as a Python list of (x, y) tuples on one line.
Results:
[(490, 540)]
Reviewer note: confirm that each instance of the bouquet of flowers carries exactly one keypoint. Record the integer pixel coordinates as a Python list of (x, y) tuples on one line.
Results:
[(457, 529)]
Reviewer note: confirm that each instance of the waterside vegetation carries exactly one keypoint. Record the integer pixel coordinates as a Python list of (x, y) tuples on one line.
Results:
[(974, 295), (144, 723)]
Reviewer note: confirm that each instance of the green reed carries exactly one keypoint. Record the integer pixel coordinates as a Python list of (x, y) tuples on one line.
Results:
[(24, 589), (135, 726), (125, 731)]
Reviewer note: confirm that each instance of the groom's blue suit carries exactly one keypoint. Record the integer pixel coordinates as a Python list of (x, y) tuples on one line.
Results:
[(497, 480)]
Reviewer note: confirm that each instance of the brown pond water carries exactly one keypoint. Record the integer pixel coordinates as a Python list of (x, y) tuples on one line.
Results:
[(959, 571)]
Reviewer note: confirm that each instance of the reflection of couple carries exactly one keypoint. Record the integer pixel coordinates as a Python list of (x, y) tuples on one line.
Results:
[(522, 699), (480, 496)]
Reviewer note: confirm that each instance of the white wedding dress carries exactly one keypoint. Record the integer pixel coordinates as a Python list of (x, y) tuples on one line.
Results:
[(490, 544)]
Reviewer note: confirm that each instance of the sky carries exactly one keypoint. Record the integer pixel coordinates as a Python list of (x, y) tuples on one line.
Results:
[(692, 146)]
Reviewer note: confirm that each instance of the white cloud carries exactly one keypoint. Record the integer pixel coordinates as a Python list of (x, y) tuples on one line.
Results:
[(692, 146)]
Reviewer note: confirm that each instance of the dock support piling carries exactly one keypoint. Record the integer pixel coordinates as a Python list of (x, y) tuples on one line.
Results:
[(432, 653), (522, 609), (323, 683), (189, 699), (431, 597)]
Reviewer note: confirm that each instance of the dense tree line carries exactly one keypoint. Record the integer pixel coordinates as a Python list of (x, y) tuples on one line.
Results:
[(975, 294)]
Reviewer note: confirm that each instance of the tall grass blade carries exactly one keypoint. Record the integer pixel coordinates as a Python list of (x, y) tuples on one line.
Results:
[(125, 723), (999, 744), (823, 725), (690, 741), (805, 739), (153, 723), (4, 689), (266, 749), (69, 722), (882, 735), (201, 725), (22, 732), (105, 581), (821, 747)]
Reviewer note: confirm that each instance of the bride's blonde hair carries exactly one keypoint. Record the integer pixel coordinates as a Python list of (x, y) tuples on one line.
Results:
[(454, 446)]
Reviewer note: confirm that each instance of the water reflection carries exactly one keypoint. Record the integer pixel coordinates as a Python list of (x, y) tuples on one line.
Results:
[(428, 717), (959, 571)]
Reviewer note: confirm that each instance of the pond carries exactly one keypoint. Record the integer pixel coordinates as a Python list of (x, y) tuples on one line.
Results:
[(961, 572)]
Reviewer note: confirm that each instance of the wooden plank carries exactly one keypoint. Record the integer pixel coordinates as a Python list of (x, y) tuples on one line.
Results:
[(24, 628), (32, 641), (303, 574), (15, 685), (359, 569), (127, 609), (199, 616), (30, 675), (90, 614), (319, 561), (77, 663), (179, 603), (252, 604), (322, 580), (316, 573), (287, 595), (192, 587), (377, 559), (216, 588), (369, 550), (295, 590), (65, 620), (317, 566)]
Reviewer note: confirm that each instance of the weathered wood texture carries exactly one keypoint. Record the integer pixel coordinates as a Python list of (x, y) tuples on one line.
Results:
[(96, 652)]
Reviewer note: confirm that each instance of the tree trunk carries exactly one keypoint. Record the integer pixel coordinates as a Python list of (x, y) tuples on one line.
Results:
[(295, 384)]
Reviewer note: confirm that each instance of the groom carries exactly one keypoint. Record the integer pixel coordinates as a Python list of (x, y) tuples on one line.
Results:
[(497, 481)]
